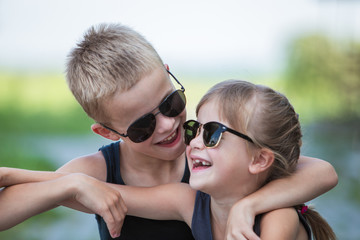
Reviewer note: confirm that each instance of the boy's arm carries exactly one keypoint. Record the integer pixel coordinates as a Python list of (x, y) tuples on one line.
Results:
[(77, 191), (22, 201), (103, 202), (13, 176), (312, 178)]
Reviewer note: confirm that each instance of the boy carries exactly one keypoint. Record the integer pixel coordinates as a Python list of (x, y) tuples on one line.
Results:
[(121, 82)]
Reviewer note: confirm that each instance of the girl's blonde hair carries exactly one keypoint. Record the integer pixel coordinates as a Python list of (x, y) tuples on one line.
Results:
[(269, 119)]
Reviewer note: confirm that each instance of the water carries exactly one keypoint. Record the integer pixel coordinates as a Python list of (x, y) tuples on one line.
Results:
[(338, 145)]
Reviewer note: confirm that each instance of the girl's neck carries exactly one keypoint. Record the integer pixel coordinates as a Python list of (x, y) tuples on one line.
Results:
[(220, 210), (221, 205)]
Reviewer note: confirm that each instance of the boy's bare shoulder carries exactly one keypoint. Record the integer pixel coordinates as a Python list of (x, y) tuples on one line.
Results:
[(93, 165)]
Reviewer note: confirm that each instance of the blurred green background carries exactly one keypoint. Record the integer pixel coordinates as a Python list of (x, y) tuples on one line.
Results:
[(42, 126)]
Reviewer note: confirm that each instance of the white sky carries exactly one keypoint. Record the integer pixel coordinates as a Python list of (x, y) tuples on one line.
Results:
[(191, 34)]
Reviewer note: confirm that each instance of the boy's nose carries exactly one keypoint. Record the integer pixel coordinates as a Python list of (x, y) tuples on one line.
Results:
[(164, 123)]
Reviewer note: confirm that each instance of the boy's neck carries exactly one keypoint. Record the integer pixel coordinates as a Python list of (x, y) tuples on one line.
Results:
[(141, 170)]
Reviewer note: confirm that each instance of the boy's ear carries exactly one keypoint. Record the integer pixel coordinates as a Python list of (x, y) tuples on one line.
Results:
[(166, 66), (106, 133), (262, 161)]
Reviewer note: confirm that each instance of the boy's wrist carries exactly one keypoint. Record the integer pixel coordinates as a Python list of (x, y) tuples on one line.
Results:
[(249, 204)]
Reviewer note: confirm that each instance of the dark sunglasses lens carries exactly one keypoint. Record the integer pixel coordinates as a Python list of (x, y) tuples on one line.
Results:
[(174, 104), (212, 134), (191, 128), (142, 128)]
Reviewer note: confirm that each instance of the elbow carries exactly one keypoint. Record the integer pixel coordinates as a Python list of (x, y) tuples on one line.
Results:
[(332, 177), (5, 225), (4, 228)]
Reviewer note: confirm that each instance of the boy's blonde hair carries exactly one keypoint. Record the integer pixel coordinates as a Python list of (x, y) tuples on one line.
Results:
[(109, 59), (269, 119)]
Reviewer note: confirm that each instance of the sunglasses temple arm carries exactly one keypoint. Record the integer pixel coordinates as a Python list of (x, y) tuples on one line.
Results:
[(182, 87), (113, 130), (240, 135)]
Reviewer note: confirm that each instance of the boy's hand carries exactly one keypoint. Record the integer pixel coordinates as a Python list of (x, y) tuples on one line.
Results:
[(240, 222), (102, 199)]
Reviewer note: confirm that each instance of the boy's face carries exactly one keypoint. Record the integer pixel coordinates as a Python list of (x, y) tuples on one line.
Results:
[(166, 142)]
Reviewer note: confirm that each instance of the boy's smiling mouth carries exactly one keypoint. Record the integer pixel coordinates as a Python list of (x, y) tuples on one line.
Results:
[(170, 139)]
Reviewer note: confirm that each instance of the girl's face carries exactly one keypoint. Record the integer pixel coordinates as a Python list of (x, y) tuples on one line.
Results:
[(165, 142), (221, 170)]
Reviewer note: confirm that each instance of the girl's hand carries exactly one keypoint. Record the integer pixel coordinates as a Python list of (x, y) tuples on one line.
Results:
[(240, 222)]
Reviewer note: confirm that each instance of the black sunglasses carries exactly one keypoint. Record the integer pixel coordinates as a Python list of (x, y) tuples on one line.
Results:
[(212, 132), (142, 128)]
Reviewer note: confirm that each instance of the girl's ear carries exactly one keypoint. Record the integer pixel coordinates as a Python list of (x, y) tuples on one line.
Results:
[(106, 133), (262, 160)]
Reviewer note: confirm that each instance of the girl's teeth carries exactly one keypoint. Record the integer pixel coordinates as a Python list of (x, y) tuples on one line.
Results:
[(203, 163)]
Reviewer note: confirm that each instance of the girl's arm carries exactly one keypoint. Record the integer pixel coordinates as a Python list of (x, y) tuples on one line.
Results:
[(173, 201), (282, 224), (312, 178)]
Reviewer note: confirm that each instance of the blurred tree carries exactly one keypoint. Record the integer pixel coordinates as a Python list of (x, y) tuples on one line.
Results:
[(324, 78)]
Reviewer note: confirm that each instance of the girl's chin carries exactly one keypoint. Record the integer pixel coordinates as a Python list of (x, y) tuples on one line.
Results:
[(197, 185)]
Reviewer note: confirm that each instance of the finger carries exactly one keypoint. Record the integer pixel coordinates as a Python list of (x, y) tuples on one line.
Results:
[(118, 211), (250, 235), (245, 234), (233, 237), (110, 222)]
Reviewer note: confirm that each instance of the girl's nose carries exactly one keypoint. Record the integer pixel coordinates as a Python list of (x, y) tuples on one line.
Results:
[(198, 142)]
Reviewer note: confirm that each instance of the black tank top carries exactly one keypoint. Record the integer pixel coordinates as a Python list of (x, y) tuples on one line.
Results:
[(136, 228)]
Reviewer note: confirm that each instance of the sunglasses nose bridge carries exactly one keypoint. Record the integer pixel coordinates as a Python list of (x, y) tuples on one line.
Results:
[(155, 114), (199, 134), (200, 130)]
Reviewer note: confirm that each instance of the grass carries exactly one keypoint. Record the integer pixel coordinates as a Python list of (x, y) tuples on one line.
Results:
[(39, 103)]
